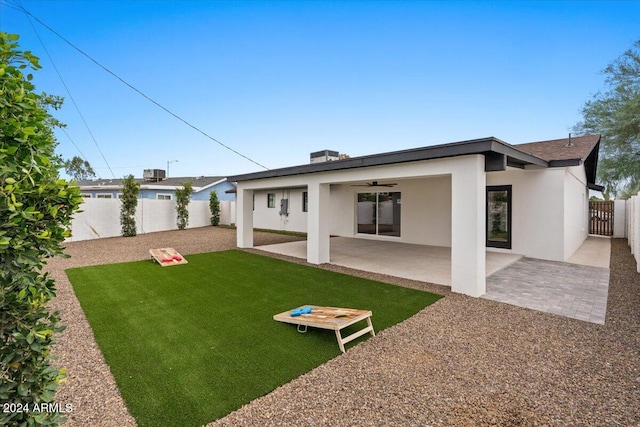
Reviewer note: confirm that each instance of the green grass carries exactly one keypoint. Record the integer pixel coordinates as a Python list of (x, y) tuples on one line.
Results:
[(188, 344)]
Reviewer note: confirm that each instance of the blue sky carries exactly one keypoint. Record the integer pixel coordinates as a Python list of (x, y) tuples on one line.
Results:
[(276, 80)]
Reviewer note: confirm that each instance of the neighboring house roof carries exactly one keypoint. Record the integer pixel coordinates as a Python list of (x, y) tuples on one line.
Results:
[(498, 154), (199, 183)]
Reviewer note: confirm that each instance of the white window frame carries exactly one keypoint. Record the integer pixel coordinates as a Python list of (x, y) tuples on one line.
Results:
[(86, 195), (104, 196), (164, 196)]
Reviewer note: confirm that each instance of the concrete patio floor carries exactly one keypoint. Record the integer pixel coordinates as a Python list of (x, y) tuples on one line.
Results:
[(418, 262), (577, 288)]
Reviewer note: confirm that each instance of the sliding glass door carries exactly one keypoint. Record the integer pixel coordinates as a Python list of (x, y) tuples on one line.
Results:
[(379, 213)]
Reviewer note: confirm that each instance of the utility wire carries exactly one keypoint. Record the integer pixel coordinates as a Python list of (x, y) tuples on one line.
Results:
[(139, 91), (81, 154), (73, 101)]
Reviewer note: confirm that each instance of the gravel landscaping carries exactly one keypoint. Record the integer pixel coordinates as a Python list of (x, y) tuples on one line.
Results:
[(460, 362)]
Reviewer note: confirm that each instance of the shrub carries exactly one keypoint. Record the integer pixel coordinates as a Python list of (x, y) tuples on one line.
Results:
[(183, 196), (129, 200), (35, 213), (214, 207)]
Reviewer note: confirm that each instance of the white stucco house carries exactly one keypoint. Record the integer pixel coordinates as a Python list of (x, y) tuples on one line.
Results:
[(471, 196)]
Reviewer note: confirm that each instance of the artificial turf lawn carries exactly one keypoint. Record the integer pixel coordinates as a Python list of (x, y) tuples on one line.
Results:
[(190, 343)]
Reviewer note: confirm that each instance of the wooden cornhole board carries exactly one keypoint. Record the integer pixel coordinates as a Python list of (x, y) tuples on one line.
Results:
[(167, 256), (330, 318)]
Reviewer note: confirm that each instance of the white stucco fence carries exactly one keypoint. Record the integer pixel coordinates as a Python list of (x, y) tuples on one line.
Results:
[(101, 217), (633, 227)]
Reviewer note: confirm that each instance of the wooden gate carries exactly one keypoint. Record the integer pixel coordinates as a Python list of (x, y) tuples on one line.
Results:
[(601, 218)]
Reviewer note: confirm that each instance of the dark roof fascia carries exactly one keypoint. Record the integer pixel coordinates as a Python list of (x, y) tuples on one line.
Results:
[(595, 187), (564, 163), (476, 146), (591, 164)]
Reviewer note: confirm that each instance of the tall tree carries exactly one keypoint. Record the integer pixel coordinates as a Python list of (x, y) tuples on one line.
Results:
[(615, 114), (129, 201), (35, 213), (79, 169)]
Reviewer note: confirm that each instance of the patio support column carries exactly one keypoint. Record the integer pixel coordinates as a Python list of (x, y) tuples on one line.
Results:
[(468, 195), (244, 218), (318, 223)]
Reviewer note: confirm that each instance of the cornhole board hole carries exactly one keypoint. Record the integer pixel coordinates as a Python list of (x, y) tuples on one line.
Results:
[(167, 256), (333, 318)]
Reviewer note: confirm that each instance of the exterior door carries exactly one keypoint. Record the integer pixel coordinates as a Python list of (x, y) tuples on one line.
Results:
[(499, 216)]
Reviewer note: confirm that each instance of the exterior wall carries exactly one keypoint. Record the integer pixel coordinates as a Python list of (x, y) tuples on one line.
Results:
[(101, 217), (537, 211), (425, 214), (220, 189), (576, 209), (270, 218), (426, 211)]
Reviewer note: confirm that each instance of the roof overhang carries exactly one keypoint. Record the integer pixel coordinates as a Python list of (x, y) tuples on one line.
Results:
[(498, 155), (595, 187)]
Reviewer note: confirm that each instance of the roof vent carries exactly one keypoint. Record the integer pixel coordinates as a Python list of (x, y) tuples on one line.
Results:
[(569, 143)]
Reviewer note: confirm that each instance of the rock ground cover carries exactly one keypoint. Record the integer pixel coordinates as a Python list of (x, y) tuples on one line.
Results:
[(460, 362)]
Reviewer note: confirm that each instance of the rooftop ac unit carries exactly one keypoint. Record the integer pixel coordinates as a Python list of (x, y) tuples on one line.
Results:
[(154, 174)]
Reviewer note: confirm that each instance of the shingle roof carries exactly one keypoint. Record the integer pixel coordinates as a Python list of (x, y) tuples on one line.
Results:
[(560, 149)]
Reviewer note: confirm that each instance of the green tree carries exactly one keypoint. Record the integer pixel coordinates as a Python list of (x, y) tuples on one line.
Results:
[(615, 114), (129, 203), (79, 169), (36, 207), (214, 207), (183, 197)]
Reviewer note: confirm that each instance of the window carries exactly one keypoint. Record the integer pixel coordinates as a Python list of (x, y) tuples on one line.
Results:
[(379, 213), (305, 201), (104, 196), (161, 196), (85, 195), (271, 200), (499, 216)]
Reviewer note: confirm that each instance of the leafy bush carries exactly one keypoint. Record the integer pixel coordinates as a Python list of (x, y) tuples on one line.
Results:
[(183, 196), (129, 200), (214, 207), (35, 213)]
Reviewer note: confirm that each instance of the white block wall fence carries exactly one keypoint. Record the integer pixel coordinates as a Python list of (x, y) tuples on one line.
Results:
[(633, 227), (101, 217)]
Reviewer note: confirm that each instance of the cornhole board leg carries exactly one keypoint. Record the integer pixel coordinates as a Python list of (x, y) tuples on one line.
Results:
[(353, 336)]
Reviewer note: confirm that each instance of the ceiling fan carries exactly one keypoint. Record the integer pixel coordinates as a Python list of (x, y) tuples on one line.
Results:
[(375, 184)]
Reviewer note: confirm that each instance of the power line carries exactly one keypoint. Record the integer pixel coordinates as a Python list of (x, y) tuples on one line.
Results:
[(81, 154), (73, 101), (139, 91)]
